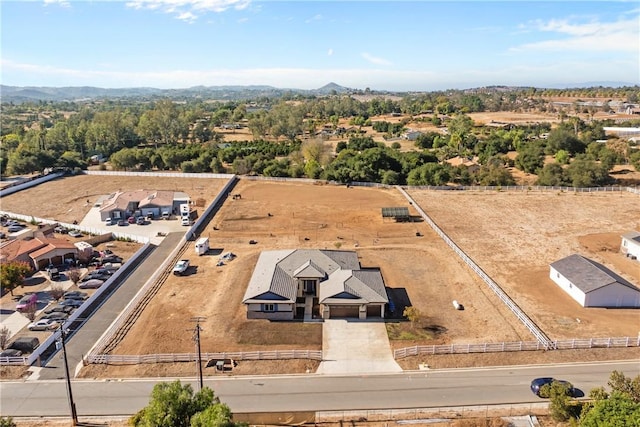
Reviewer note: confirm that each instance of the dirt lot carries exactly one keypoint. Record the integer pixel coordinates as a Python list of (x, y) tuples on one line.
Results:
[(514, 236)]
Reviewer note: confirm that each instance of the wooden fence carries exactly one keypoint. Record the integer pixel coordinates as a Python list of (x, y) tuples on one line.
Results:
[(115, 359), (571, 344)]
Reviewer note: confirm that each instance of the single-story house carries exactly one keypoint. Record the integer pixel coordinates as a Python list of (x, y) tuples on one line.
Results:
[(39, 252), (288, 284), (630, 245), (592, 284), (123, 204), (411, 135)]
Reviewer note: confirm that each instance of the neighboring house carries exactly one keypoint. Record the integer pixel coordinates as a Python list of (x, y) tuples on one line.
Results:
[(411, 135), (39, 252), (288, 284), (630, 245), (470, 163), (124, 204), (593, 285)]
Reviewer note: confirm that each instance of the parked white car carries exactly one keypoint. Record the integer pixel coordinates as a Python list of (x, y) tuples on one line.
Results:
[(181, 267), (43, 325)]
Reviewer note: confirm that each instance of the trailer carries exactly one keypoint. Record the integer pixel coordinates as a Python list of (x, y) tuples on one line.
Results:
[(202, 245)]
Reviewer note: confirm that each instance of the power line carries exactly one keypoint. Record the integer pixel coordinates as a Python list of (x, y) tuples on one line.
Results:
[(196, 338)]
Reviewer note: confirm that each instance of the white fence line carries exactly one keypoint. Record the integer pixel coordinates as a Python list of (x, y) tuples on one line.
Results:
[(133, 304), (161, 174), (569, 344), (497, 189), (526, 321), (117, 359), (29, 183)]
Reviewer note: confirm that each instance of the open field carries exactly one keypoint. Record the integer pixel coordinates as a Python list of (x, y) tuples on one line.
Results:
[(514, 236)]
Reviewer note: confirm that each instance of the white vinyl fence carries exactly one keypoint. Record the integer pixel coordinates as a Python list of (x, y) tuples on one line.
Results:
[(570, 344)]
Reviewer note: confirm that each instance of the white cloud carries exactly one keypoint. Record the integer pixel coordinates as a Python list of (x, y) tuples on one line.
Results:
[(317, 17), (62, 3), (187, 10), (619, 36), (374, 59), (330, 52)]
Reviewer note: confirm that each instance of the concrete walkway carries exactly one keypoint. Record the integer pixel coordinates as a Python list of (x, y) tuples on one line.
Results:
[(355, 346)]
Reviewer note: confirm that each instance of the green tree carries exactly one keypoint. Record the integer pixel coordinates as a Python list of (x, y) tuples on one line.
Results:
[(530, 158), (552, 174), (617, 410), (12, 274), (587, 173), (176, 405)]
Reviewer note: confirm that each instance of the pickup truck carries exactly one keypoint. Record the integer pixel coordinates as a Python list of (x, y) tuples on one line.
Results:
[(181, 267)]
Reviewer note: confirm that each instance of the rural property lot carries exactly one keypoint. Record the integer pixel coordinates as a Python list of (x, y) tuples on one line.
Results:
[(291, 215), (514, 236)]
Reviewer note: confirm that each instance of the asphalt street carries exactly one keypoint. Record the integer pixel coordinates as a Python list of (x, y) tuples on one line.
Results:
[(418, 389)]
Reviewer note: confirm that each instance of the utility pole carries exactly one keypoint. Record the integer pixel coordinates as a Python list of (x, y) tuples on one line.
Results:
[(72, 405), (196, 338)]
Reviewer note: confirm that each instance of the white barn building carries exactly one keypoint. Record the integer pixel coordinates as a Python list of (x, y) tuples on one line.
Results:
[(593, 285), (630, 245)]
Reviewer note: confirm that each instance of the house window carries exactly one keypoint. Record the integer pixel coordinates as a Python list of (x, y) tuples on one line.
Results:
[(269, 307), (309, 286)]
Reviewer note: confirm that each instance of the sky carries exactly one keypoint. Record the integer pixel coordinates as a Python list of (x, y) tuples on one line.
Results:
[(380, 45)]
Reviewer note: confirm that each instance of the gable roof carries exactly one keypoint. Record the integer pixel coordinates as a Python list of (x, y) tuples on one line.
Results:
[(587, 274), (35, 247), (276, 274)]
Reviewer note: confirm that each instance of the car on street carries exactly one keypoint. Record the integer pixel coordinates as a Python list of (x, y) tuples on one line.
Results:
[(43, 325), (91, 284), (75, 233), (538, 384)]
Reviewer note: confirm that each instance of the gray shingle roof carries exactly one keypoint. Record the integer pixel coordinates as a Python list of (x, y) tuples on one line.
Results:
[(276, 271), (587, 274)]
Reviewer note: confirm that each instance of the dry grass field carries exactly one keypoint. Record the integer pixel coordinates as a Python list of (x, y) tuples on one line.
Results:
[(513, 236)]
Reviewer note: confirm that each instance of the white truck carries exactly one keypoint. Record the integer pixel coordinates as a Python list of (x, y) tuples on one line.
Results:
[(185, 211), (181, 267), (202, 245)]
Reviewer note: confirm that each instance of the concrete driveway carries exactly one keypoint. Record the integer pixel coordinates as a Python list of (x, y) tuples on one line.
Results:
[(355, 346)]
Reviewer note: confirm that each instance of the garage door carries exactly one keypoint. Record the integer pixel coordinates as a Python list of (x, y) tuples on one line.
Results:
[(344, 311), (373, 311)]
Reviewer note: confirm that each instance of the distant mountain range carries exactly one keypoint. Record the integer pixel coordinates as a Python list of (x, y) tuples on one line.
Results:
[(18, 94)]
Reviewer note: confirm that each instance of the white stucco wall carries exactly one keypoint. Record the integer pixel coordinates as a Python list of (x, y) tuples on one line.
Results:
[(567, 286), (614, 295), (630, 247)]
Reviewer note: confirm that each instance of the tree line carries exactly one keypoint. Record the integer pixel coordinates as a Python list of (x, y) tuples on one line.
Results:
[(166, 135)]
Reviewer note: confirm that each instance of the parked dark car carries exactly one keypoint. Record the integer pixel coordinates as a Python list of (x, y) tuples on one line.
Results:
[(76, 295), (112, 259), (59, 316), (91, 284), (122, 223), (14, 228), (71, 303), (10, 352), (25, 344), (95, 276), (60, 308), (538, 384), (60, 229)]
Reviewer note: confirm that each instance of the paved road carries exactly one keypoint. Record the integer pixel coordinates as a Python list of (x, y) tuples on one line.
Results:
[(82, 340), (418, 389)]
